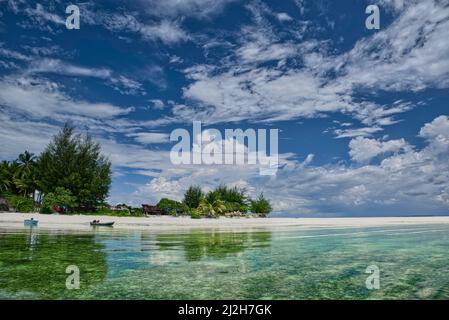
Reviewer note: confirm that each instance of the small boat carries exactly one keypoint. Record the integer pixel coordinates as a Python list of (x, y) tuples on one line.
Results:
[(30, 222), (102, 224)]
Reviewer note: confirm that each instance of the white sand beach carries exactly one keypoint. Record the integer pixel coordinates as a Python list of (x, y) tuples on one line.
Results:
[(167, 223)]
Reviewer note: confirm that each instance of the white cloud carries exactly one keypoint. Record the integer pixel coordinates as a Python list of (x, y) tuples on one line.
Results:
[(283, 16), (167, 31), (157, 104), (363, 149), (438, 128), (359, 132), (42, 16), (119, 82), (60, 67), (150, 137), (193, 8), (43, 99), (11, 54), (16, 136)]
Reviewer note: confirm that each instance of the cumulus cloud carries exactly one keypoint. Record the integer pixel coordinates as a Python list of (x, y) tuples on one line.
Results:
[(363, 149), (405, 181), (438, 128)]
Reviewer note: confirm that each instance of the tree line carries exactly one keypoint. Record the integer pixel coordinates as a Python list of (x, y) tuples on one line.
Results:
[(222, 201)]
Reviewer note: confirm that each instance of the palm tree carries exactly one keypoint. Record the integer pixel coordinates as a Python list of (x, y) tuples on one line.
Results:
[(25, 175), (5, 181), (211, 209), (26, 161)]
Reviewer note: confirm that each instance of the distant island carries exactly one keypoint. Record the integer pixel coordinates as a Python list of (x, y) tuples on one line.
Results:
[(71, 176)]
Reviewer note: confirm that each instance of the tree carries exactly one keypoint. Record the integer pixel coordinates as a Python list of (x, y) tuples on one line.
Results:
[(5, 181), (25, 178), (193, 196), (212, 209), (261, 206), (232, 195), (8, 170), (74, 162), (235, 198), (169, 206), (61, 197)]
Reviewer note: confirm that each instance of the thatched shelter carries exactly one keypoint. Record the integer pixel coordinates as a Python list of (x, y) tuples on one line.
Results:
[(4, 205)]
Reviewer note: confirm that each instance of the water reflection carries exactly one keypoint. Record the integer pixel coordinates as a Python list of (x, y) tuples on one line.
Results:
[(197, 245), (34, 263)]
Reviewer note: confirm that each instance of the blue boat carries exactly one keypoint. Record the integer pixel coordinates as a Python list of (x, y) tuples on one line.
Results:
[(30, 222)]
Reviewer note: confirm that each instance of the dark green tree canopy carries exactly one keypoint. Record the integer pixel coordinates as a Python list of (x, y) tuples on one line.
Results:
[(193, 196), (261, 206), (74, 162)]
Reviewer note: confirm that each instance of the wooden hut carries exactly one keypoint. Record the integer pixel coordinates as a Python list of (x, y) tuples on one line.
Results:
[(151, 210)]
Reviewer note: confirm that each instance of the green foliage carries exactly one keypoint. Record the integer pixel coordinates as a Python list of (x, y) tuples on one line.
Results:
[(170, 206), (5, 176), (234, 199), (223, 200), (193, 196), (114, 213), (235, 207), (195, 214), (234, 195), (212, 209), (261, 206), (46, 210), (212, 196), (19, 176), (20, 203), (60, 197), (74, 162)]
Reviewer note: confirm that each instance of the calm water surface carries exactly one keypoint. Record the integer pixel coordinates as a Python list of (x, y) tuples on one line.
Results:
[(296, 264)]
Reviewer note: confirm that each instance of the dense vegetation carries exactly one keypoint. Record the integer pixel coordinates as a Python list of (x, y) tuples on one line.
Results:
[(222, 201), (70, 172)]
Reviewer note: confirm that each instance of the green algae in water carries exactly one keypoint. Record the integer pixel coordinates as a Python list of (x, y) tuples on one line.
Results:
[(296, 264)]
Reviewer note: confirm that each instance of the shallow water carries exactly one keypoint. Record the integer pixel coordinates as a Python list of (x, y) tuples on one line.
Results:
[(296, 264)]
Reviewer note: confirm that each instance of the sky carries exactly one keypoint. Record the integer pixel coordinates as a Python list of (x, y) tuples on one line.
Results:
[(362, 113)]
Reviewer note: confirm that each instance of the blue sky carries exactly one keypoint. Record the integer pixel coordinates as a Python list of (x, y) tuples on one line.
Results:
[(362, 113)]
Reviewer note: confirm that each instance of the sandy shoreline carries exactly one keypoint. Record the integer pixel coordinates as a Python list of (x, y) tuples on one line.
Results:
[(165, 223)]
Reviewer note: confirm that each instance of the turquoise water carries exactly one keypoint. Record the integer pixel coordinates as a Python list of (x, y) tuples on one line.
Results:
[(296, 264)]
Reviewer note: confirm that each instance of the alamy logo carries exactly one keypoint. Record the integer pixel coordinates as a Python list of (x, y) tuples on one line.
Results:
[(373, 280), (373, 20), (73, 20), (73, 280), (208, 147)]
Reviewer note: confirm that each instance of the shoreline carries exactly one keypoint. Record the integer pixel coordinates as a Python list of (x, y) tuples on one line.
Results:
[(168, 223)]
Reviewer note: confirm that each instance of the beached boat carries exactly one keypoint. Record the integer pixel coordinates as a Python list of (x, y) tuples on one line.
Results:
[(102, 224), (30, 222)]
